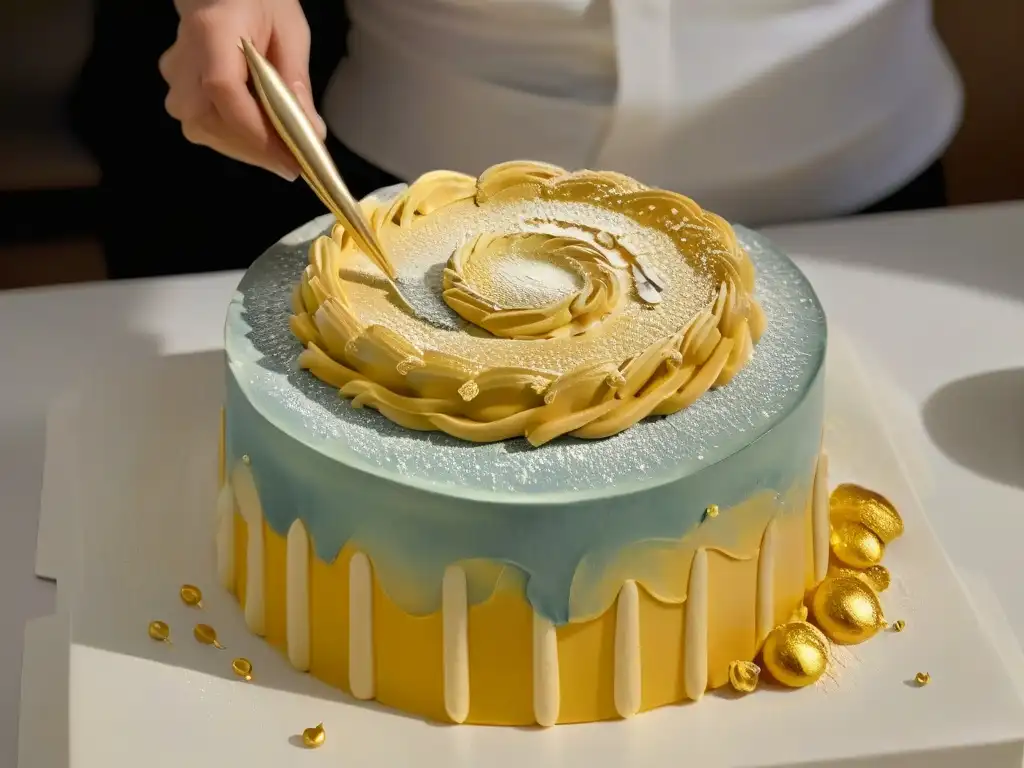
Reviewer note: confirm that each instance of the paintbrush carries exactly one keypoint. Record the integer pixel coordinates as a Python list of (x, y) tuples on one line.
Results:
[(318, 169)]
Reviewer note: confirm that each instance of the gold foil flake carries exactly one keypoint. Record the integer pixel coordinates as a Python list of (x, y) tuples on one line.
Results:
[(314, 737), (922, 678), (246, 460), (549, 397), (899, 625), (795, 654), (799, 613), (206, 635), (847, 610), (191, 595), (242, 668), (743, 676), (872, 510), (605, 239), (539, 385), (469, 390), (711, 511), (856, 545), (159, 630), (615, 380), (406, 366)]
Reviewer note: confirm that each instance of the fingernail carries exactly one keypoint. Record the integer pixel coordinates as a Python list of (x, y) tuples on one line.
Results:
[(286, 175)]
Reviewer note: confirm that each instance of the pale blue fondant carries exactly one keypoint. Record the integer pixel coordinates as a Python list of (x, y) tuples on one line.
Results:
[(416, 502)]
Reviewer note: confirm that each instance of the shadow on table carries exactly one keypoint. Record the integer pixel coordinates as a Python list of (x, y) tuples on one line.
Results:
[(978, 422)]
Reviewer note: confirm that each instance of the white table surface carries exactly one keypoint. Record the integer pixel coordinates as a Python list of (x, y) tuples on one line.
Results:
[(936, 299)]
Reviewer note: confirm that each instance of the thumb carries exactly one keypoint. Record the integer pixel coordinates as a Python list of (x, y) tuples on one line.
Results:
[(289, 53)]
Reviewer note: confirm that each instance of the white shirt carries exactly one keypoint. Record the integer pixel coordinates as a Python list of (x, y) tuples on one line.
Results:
[(761, 110)]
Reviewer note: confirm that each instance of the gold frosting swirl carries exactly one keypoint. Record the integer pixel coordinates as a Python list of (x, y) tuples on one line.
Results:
[(590, 302)]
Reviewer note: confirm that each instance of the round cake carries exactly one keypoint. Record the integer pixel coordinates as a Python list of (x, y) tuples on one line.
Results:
[(565, 468)]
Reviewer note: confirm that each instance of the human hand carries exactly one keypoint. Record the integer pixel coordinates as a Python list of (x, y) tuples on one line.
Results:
[(208, 77)]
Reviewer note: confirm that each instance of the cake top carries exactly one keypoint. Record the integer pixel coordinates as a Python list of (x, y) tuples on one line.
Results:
[(546, 303), (263, 358)]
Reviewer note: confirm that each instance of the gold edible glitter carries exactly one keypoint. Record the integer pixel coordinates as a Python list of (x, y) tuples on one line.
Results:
[(847, 610), (469, 390), (158, 630), (314, 737), (899, 625), (242, 668), (795, 654), (206, 635), (922, 678), (743, 676), (191, 595), (246, 459), (853, 503), (711, 511), (855, 545)]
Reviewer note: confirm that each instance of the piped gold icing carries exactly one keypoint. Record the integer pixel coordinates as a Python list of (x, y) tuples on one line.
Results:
[(585, 302)]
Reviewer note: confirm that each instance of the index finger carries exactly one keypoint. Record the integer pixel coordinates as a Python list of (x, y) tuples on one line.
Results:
[(225, 84)]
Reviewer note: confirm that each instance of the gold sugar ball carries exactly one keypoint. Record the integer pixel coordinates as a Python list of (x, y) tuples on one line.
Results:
[(314, 737), (743, 676), (872, 510), (795, 654), (847, 610), (922, 678), (855, 545)]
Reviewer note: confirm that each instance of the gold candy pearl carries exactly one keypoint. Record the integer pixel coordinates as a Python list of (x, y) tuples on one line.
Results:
[(872, 510), (245, 459), (191, 596), (159, 631), (899, 625), (314, 737), (922, 678), (206, 635), (847, 610), (795, 654), (711, 511), (855, 545), (743, 676), (242, 668)]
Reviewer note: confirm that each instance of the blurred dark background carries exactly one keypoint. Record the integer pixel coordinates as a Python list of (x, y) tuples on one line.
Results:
[(78, 81)]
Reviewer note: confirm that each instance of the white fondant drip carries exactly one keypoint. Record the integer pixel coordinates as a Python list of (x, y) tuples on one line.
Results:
[(546, 687), (628, 687), (252, 513), (455, 618), (361, 676), (765, 619), (226, 537), (297, 596), (820, 518), (695, 648)]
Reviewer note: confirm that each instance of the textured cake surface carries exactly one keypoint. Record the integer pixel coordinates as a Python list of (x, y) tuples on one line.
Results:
[(574, 537)]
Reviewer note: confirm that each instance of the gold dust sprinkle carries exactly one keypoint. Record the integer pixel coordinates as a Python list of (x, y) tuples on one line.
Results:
[(245, 459), (242, 668), (469, 390), (207, 635), (899, 625), (191, 595), (796, 654), (711, 511), (314, 737), (743, 676), (922, 678), (847, 610), (159, 630)]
